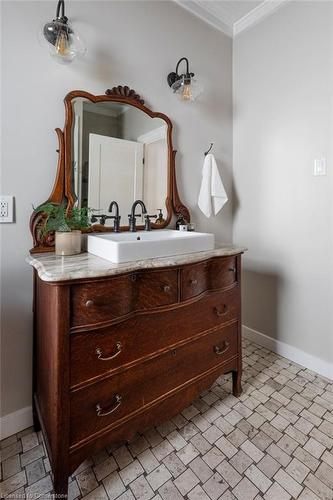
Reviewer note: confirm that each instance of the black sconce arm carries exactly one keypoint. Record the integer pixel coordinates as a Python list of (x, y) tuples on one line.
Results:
[(61, 6), (174, 76)]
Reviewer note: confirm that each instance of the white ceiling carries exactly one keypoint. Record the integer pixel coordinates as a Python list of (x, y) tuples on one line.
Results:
[(231, 16)]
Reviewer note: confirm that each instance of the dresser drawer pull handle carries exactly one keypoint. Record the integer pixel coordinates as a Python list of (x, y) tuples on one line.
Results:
[(90, 303), (99, 352), (101, 413), (232, 269), (220, 351), (221, 312), (166, 288), (194, 282)]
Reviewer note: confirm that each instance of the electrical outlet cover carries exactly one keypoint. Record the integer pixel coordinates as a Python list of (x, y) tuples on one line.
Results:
[(6, 208)]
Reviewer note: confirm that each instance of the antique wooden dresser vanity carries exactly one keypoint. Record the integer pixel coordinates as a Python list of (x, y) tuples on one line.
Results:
[(121, 348)]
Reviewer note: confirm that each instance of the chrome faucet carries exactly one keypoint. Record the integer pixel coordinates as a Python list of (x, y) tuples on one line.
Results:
[(116, 218), (132, 216)]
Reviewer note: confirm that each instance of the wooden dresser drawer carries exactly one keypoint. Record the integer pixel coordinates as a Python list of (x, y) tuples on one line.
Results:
[(103, 301), (98, 352), (110, 400), (214, 274), (223, 272)]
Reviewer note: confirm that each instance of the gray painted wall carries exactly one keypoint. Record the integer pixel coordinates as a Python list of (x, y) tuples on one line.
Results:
[(283, 110), (135, 123), (133, 43)]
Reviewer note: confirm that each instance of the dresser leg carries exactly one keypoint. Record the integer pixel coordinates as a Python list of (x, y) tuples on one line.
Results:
[(60, 484), (237, 383)]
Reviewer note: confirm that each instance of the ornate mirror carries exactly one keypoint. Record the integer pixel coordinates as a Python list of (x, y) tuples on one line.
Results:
[(113, 147)]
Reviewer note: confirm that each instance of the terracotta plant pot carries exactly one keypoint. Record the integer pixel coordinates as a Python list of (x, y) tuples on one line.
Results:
[(67, 242)]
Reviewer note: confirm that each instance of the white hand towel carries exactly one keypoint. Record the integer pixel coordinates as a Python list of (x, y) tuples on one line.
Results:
[(212, 194)]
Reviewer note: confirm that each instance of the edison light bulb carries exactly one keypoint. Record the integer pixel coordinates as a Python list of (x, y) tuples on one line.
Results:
[(186, 95), (61, 45), (186, 88)]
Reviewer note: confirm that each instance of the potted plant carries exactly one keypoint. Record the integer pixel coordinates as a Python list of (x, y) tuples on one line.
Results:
[(66, 226)]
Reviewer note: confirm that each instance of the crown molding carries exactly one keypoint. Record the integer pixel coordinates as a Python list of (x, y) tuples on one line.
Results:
[(195, 8), (257, 14)]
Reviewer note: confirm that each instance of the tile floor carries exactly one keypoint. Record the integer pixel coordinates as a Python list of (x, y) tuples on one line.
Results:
[(274, 442)]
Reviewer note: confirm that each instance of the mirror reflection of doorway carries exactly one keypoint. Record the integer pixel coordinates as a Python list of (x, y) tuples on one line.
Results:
[(118, 153), (155, 169), (115, 172)]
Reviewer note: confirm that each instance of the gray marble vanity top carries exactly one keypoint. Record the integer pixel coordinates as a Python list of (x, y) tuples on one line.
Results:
[(55, 268)]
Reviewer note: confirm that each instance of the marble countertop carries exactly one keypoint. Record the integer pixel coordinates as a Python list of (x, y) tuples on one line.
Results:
[(54, 268)]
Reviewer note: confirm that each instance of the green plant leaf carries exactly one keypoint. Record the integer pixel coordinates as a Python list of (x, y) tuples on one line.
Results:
[(58, 220)]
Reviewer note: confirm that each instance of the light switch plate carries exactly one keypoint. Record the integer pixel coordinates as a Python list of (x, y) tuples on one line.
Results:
[(319, 167), (6, 208)]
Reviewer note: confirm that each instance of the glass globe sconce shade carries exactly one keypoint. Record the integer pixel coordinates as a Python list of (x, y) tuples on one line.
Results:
[(64, 42)]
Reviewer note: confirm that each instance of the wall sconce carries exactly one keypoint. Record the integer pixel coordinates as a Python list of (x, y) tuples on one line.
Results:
[(64, 43), (184, 86)]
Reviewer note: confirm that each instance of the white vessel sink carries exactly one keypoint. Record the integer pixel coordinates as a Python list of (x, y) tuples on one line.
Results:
[(126, 247)]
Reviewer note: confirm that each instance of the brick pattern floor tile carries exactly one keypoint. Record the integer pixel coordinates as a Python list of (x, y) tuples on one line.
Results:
[(275, 442)]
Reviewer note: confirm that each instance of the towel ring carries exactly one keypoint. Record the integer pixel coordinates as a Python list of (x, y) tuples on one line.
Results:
[(211, 145)]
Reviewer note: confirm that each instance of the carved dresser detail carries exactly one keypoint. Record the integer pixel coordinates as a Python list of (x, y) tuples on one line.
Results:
[(117, 354)]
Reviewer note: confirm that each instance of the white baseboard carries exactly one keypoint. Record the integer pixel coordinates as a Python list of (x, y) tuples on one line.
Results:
[(15, 422), (300, 357)]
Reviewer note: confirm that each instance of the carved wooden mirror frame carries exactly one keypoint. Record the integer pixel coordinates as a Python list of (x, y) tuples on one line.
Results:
[(63, 185)]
